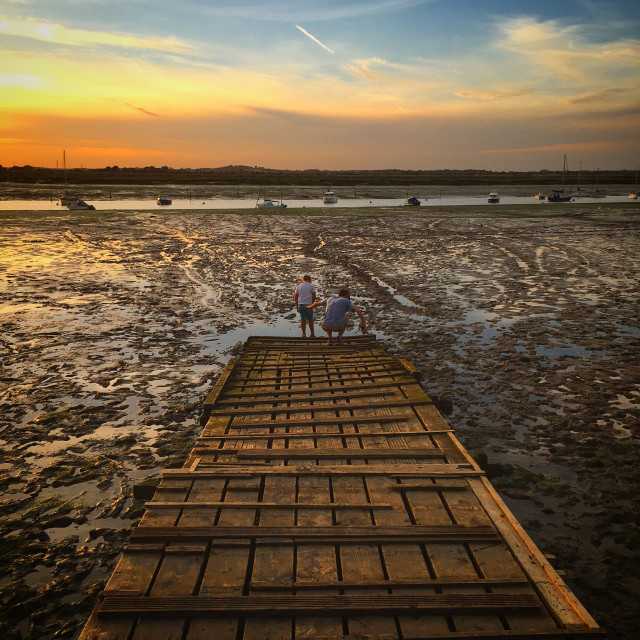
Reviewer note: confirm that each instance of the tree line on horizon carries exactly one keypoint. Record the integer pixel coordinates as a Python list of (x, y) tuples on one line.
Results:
[(243, 174)]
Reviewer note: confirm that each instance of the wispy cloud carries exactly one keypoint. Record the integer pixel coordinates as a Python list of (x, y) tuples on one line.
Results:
[(24, 80), (142, 110), (484, 94), (296, 11), (54, 33), (565, 52), (312, 37), (605, 145), (603, 95)]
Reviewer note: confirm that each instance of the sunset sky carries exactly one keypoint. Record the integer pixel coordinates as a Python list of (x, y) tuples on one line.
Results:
[(327, 84)]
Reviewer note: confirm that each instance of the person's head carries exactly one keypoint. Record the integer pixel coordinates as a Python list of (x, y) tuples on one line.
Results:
[(344, 293), (306, 278)]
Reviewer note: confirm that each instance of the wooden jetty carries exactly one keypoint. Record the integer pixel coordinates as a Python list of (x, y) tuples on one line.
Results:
[(327, 498)]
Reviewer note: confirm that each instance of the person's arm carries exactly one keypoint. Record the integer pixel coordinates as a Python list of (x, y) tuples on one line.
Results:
[(363, 322), (295, 297), (316, 303), (313, 296)]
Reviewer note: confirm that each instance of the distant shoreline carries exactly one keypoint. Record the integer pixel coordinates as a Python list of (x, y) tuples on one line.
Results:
[(257, 176)]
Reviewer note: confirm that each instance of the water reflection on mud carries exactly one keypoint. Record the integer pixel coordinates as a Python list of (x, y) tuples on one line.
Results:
[(117, 324)]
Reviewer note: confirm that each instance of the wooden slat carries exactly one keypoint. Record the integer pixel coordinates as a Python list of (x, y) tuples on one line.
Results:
[(369, 375), (301, 534), (274, 605), (230, 395), (264, 505), (275, 387), (289, 454), (389, 584), (277, 398), (305, 468), (314, 435), (303, 422), (317, 407)]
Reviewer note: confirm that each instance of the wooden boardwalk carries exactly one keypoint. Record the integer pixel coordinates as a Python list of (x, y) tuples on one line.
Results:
[(328, 498)]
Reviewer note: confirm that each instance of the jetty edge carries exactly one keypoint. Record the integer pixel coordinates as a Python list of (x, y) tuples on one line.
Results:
[(326, 497)]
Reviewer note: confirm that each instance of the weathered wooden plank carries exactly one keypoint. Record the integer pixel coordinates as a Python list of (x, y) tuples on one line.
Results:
[(371, 375), (204, 490), (302, 422), (304, 468), (566, 608), (133, 575), (178, 576), (279, 398), (274, 390), (314, 435), (274, 605), (331, 367), (217, 389), (480, 584), (226, 569), (361, 561), (262, 505), (292, 454), (317, 562), (304, 535), (395, 402), (273, 563)]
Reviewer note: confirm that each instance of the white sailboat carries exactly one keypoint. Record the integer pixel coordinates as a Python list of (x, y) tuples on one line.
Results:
[(68, 197), (269, 203), (558, 195)]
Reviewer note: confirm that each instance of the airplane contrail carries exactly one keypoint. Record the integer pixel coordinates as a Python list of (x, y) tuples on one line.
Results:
[(306, 33)]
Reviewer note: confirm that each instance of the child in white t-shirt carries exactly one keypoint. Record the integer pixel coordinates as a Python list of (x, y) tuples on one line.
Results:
[(304, 296)]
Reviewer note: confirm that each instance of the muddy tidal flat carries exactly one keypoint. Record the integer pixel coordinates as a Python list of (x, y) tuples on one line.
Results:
[(525, 322)]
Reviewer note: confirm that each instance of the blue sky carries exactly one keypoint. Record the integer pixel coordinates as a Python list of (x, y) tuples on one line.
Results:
[(415, 84)]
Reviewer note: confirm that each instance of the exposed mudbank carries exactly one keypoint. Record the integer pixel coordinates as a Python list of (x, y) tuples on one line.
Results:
[(115, 326)]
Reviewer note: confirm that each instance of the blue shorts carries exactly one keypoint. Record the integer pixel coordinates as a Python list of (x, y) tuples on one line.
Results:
[(306, 314)]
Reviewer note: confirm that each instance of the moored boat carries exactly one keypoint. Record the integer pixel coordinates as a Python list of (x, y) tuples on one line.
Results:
[(558, 195), (67, 198), (540, 196), (268, 203), (493, 198), (163, 200), (329, 197), (80, 205), (411, 202)]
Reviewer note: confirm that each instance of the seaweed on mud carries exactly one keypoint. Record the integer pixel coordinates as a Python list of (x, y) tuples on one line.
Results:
[(523, 323)]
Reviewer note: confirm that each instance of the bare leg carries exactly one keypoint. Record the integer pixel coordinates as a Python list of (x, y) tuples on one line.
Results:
[(329, 340), (339, 337), (313, 335), (303, 326)]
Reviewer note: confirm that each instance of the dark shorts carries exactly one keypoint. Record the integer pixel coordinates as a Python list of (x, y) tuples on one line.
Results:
[(306, 314), (331, 327)]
